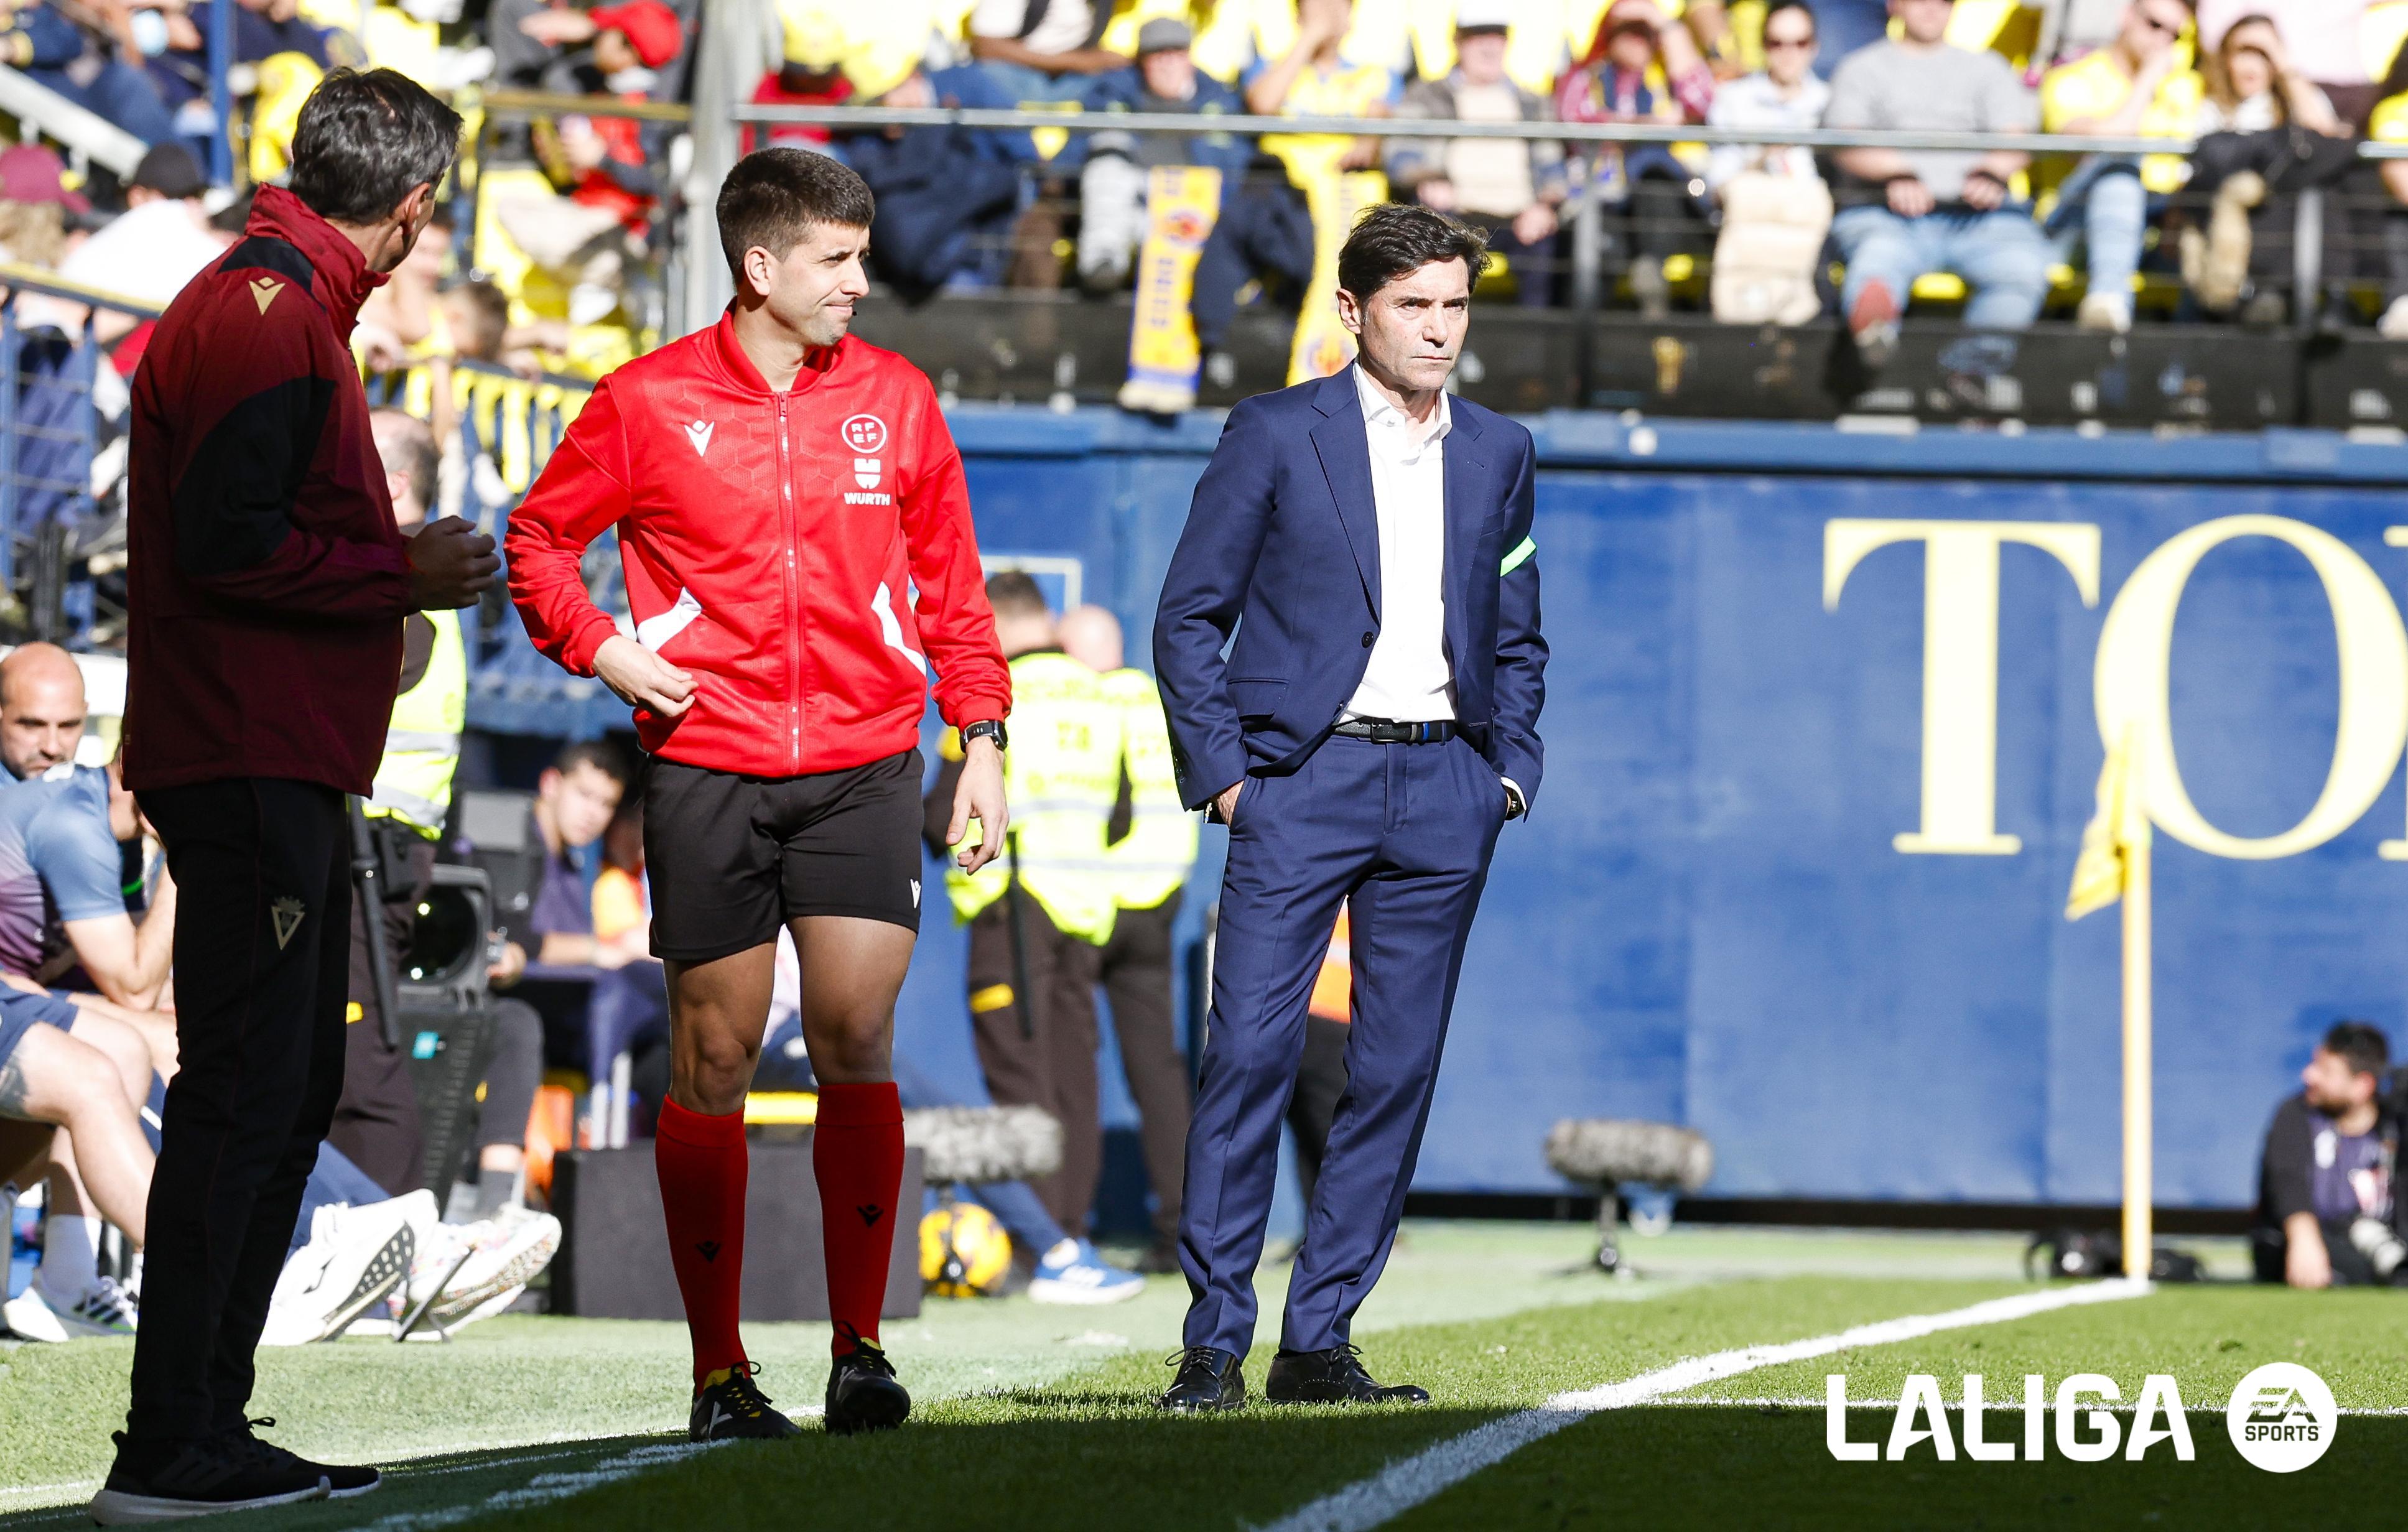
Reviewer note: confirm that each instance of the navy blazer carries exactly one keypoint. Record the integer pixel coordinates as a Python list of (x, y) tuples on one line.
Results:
[(1283, 546)]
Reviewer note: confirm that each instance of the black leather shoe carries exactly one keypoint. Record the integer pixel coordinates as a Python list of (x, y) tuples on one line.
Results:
[(1207, 1379), (1335, 1376)]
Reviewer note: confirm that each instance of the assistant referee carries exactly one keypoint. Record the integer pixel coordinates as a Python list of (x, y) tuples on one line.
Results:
[(796, 531), (268, 584)]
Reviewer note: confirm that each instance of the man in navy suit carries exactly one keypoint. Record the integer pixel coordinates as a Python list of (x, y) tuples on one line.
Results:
[(1368, 538)]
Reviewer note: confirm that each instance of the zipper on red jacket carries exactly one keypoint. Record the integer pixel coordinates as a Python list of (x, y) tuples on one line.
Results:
[(793, 602)]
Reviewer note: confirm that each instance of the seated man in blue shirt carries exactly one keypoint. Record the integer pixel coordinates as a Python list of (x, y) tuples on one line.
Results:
[(625, 993), (2327, 1215), (42, 710), (64, 901)]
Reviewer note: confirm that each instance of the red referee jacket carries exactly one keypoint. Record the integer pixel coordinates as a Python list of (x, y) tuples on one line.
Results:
[(266, 581), (773, 546)]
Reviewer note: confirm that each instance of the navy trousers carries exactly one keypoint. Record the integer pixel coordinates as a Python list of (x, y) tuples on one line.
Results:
[(1401, 836)]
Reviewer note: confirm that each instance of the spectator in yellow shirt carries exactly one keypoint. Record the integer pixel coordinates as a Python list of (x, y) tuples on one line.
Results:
[(2137, 86), (1265, 232)]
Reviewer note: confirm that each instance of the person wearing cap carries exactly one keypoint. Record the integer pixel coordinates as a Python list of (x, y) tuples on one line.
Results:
[(531, 39), (160, 242), (36, 208), (615, 168), (1641, 67), (619, 162), (1111, 185), (1512, 188)]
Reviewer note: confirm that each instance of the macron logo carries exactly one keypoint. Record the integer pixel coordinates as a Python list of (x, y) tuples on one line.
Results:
[(698, 433)]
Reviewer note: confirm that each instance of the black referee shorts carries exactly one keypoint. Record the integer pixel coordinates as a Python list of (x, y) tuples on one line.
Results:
[(733, 858)]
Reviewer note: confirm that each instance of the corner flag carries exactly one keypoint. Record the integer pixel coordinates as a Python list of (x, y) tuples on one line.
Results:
[(2118, 829), (2115, 866)]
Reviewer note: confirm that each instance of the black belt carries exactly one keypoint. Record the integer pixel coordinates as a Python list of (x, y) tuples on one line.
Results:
[(1385, 732)]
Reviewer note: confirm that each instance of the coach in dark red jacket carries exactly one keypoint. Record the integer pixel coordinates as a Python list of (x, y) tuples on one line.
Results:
[(269, 587)]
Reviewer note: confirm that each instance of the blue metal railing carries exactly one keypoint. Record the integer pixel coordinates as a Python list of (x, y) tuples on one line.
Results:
[(220, 95)]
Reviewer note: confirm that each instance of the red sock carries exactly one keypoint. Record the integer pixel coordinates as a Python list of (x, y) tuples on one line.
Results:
[(857, 1158), (702, 1164)]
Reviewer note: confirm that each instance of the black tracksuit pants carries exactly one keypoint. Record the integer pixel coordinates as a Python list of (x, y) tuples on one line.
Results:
[(262, 936)]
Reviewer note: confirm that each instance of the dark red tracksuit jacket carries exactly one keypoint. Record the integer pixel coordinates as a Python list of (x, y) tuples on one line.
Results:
[(267, 582)]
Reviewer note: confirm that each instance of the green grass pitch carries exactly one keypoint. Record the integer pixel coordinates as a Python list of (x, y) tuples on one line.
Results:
[(1040, 1418)]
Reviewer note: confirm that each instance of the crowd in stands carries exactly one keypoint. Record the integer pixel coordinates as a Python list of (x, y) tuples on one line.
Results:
[(555, 265), (2275, 92)]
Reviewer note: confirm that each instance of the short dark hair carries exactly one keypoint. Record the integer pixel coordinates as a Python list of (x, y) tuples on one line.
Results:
[(2361, 1045), (1814, 24), (365, 138), (422, 461), (1012, 592), (492, 308), (600, 754), (1396, 239), (774, 195)]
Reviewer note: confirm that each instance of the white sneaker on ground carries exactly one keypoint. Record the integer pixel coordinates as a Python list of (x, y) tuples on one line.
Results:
[(1073, 1272), (355, 1257), (103, 1309), (498, 1304), (2393, 325), (465, 1267)]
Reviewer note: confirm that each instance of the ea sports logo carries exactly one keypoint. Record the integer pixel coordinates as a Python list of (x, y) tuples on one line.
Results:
[(2282, 1417), (865, 434)]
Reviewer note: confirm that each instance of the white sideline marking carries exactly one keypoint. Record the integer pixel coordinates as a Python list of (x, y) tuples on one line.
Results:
[(1408, 1481), (543, 1488)]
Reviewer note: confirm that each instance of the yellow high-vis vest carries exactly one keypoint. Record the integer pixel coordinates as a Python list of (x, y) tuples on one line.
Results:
[(421, 744), (1152, 862), (1060, 777)]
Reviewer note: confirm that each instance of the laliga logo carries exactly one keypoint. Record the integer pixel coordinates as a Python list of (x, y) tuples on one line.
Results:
[(866, 435), (2160, 1401), (2281, 1419)]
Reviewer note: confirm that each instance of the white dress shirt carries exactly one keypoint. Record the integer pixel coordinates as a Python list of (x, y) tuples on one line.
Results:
[(1409, 679)]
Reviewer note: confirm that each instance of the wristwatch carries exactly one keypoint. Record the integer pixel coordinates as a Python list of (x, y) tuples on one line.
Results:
[(989, 728)]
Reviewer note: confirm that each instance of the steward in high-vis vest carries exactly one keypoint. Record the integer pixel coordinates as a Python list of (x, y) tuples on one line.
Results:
[(1151, 850), (1063, 776), (422, 747), (1039, 916), (375, 1122)]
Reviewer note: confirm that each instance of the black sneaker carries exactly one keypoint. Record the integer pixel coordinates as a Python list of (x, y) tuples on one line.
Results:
[(344, 1480), (168, 1480), (730, 1406), (861, 1392)]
